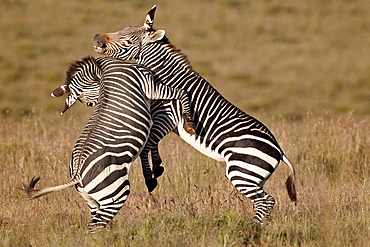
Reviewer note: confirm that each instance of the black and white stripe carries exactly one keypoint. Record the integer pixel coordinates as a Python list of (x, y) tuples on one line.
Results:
[(115, 134), (225, 132)]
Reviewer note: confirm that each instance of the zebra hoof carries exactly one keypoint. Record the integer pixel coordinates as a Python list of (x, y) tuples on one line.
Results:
[(189, 127), (158, 171), (151, 183)]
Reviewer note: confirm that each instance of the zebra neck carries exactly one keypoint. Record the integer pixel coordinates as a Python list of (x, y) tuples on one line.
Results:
[(173, 69), (165, 60)]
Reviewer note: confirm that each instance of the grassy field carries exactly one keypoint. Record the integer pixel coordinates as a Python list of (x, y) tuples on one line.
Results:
[(201, 209), (302, 68)]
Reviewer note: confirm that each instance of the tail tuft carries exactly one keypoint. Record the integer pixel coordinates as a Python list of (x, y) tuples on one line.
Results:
[(31, 193), (290, 186)]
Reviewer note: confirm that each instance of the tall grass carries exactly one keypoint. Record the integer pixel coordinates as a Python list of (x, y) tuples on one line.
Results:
[(194, 204)]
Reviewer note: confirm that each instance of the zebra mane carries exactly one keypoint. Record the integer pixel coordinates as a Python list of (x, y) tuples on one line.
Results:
[(173, 49), (76, 66)]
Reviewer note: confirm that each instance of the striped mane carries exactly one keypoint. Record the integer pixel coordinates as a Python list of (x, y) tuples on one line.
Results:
[(76, 66), (173, 49)]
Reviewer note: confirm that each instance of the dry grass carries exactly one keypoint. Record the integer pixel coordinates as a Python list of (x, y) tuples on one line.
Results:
[(272, 59), (194, 205)]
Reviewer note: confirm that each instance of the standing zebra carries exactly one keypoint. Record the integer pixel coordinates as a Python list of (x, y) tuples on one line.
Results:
[(226, 133), (115, 134)]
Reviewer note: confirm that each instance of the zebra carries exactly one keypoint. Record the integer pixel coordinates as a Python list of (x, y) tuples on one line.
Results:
[(224, 132), (115, 134)]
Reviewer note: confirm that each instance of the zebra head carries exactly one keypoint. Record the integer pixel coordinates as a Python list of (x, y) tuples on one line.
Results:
[(127, 43), (82, 83)]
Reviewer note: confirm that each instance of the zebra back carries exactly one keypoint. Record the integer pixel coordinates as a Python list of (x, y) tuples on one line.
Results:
[(119, 126)]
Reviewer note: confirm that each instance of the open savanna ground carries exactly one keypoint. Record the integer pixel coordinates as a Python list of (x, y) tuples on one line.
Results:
[(194, 204), (302, 67)]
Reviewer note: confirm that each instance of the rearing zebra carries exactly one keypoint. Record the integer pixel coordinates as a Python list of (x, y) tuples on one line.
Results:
[(226, 133), (115, 134)]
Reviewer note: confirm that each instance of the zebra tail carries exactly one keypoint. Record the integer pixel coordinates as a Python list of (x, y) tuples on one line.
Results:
[(33, 193), (290, 182)]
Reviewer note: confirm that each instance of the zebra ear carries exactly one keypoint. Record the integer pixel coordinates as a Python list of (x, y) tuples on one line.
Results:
[(70, 100), (155, 36), (148, 23), (59, 91)]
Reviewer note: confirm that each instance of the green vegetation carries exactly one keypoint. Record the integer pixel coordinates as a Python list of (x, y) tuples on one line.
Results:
[(273, 59)]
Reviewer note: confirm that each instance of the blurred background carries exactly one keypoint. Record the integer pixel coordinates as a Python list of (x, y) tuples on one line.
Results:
[(267, 57)]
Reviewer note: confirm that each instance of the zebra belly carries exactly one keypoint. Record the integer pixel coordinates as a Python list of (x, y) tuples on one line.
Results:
[(201, 147)]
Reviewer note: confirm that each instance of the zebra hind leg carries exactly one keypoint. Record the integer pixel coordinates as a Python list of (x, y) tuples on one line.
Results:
[(102, 217), (263, 207), (248, 174), (102, 214), (94, 206), (95, 226), (105, 213), (263, 203)]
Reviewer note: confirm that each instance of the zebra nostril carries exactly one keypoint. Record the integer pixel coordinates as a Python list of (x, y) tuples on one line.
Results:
[(98, 40), (96, 36)]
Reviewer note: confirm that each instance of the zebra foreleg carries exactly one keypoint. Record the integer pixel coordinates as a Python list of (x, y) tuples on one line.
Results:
[(163, 123), (150, 182), (156, 161)]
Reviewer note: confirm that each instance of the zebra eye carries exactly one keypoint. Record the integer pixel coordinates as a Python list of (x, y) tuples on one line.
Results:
[(127, 42)]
